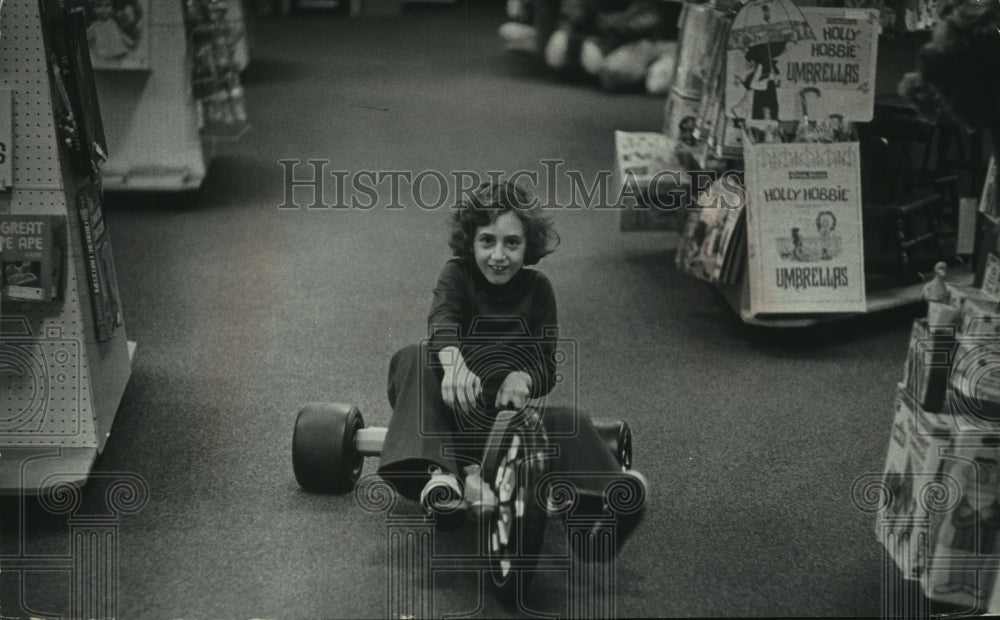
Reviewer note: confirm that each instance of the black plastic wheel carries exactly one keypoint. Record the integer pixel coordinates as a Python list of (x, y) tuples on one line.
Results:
[(617, 437), (513, 463), (323, 454)]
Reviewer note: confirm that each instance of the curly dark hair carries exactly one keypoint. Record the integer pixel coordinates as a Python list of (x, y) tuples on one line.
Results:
[(487, 203)]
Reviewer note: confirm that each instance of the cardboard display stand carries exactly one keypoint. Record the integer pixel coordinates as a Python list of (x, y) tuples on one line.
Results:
[(804, 238), (941, 482), (791, 69), (60, 386)]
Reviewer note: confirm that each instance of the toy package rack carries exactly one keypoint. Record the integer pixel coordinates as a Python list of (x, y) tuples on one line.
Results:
[(64, 363)]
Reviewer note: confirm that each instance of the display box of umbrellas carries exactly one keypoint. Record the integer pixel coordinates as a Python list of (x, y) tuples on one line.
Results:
[(790, 73), (789, 83), (798, 75)]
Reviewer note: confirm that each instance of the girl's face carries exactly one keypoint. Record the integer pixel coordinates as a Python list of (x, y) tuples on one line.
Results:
[(499, 248)]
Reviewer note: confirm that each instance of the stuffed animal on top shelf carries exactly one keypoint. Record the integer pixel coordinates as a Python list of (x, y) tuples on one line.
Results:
[(529, 25), (618, 41)]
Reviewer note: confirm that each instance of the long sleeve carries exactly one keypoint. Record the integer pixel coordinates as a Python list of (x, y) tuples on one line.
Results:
[(482, 321), (545, 329), (444, 322)]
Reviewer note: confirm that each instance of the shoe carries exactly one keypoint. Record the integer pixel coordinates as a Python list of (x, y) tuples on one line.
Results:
[(441, 498), (618, 518), (480, 499)]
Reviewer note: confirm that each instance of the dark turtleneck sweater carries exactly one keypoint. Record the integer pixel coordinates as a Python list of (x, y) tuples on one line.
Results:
[(499, 328)]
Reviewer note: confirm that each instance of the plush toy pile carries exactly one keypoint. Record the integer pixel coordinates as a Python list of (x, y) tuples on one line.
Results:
[(626, 44)]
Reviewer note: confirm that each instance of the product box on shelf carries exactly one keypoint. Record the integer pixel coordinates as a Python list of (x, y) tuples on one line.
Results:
[(928, 362), (78, 114), (650, 184), (104, 295), (711, 247), (975, 374), (32, 247), (942, 516), (910, 479), (991, 276), (963, 564), (702, 29), (985, 326), (973, 301), (989, 203), (680, 118)]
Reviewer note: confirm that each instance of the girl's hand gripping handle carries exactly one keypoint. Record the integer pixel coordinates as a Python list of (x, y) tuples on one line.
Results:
[(460, 387)]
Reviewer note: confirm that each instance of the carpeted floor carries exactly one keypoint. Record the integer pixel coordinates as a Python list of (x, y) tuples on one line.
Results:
[(242, 312)]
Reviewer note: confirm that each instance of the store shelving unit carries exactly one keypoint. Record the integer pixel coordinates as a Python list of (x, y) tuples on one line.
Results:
[(60, 387), (150, 116)]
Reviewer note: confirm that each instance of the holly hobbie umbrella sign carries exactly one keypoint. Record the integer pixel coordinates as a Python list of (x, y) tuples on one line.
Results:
[(785, 63)]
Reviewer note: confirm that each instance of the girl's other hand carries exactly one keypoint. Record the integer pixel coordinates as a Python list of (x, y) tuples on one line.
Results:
[(514, 391)]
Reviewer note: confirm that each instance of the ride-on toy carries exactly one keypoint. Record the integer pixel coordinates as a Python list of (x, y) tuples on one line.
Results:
[(330, 442)]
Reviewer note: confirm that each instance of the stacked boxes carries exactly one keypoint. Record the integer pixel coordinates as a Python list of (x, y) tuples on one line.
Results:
[(927, 364), (914, 459), (941, 524), (975, 374), (963, 564)]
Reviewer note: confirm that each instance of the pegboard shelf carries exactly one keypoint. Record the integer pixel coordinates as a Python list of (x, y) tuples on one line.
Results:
[(60, 386)]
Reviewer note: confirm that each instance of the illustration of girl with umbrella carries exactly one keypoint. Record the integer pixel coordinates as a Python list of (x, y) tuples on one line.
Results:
[(763, 80), (762, 29)]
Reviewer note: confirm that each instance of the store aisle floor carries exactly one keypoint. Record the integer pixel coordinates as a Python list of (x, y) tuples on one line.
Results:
[(242, 311)]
